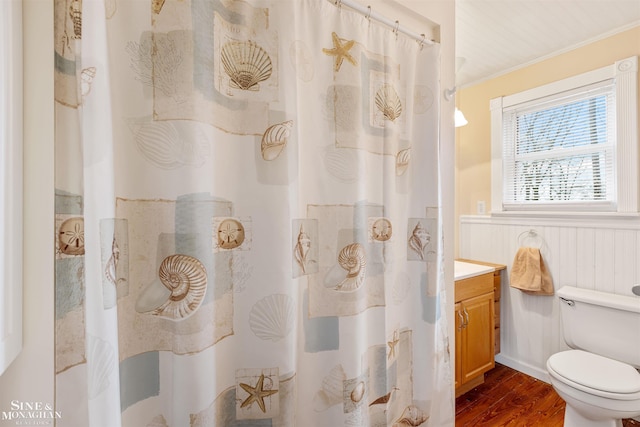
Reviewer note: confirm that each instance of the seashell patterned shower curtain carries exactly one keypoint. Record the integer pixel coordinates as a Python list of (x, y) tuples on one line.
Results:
[(248, 226)]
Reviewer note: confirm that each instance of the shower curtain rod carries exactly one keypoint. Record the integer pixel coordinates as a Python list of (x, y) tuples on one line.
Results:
[(370, 14)]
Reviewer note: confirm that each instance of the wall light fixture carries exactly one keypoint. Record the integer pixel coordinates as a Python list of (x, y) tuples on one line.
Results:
[(458, 117)]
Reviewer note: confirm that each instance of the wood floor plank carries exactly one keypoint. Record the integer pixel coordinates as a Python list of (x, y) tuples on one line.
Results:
[(505, 409), (496, 380), (511, 398), (520, 408), (497, 395)]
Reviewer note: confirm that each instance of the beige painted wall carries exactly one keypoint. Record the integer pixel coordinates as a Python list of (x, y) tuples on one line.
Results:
[(473, 142)]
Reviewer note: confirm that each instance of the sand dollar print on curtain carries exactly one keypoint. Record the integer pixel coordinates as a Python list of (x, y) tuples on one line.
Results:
[(247, 217)]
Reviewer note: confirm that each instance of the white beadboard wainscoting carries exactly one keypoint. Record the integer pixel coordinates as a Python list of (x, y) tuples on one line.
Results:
[(601, 254)]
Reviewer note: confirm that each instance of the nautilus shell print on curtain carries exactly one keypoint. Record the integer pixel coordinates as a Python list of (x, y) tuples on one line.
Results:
[(246, 63), (275, 139), (352, 258), (183, 284)]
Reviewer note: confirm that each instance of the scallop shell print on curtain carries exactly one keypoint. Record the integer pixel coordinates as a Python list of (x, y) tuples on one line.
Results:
[(247, 219)]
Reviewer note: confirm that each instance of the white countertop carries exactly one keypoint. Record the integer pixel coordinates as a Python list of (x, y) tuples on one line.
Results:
[(464, 270)]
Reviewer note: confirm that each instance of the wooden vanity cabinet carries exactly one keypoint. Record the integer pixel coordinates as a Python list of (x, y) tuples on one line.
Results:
[(497, 280), (475, 330)]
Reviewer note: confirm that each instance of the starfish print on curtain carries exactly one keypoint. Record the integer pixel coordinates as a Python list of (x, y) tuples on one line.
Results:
[(392, 345), (256, 394), (340, 50)]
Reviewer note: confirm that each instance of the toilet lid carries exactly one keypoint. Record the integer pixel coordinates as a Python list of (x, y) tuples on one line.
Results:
[(596, 372)]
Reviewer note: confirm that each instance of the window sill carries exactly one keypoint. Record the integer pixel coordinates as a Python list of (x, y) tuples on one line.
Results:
[(566, 215), (627, 220)]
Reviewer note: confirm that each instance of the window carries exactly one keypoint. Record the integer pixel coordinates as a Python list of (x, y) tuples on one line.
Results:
[(560, 150), (568, 146)]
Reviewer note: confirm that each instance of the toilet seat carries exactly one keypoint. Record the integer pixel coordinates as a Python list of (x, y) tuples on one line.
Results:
[(596, 374)]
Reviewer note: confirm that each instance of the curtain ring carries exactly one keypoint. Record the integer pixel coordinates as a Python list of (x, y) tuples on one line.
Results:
[(421, 41), (395, 29), (369, 14), (338, 3)]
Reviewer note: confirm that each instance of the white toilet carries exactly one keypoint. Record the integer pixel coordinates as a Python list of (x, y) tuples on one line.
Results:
[(598, 379)]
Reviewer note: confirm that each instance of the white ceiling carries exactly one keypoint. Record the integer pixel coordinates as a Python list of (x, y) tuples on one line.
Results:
[(495, 36)]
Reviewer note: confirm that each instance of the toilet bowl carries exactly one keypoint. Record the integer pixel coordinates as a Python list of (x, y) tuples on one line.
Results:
[(598, 377), (598, 391)]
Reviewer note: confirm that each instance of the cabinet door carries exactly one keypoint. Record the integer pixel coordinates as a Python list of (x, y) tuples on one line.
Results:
[(477, 336), (458, 353)]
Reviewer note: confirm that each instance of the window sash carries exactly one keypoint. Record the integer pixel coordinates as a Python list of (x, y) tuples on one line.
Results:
[(572, 170)]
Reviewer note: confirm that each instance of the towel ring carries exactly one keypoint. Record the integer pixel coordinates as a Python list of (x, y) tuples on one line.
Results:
[(530, 234)]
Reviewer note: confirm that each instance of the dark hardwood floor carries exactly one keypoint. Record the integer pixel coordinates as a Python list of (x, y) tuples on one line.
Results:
[(511, 398)]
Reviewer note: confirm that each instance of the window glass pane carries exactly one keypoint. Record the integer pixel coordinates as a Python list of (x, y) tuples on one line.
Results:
[(571, 125), (569, 178)]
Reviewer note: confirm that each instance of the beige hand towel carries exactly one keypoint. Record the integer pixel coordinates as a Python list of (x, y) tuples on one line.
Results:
[(529, 274)]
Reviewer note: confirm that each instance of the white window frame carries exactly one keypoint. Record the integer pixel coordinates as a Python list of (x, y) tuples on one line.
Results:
[(625, 74), (11, 195)]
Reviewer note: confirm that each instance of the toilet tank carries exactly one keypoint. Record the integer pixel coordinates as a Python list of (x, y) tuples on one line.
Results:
[(601, 323)]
